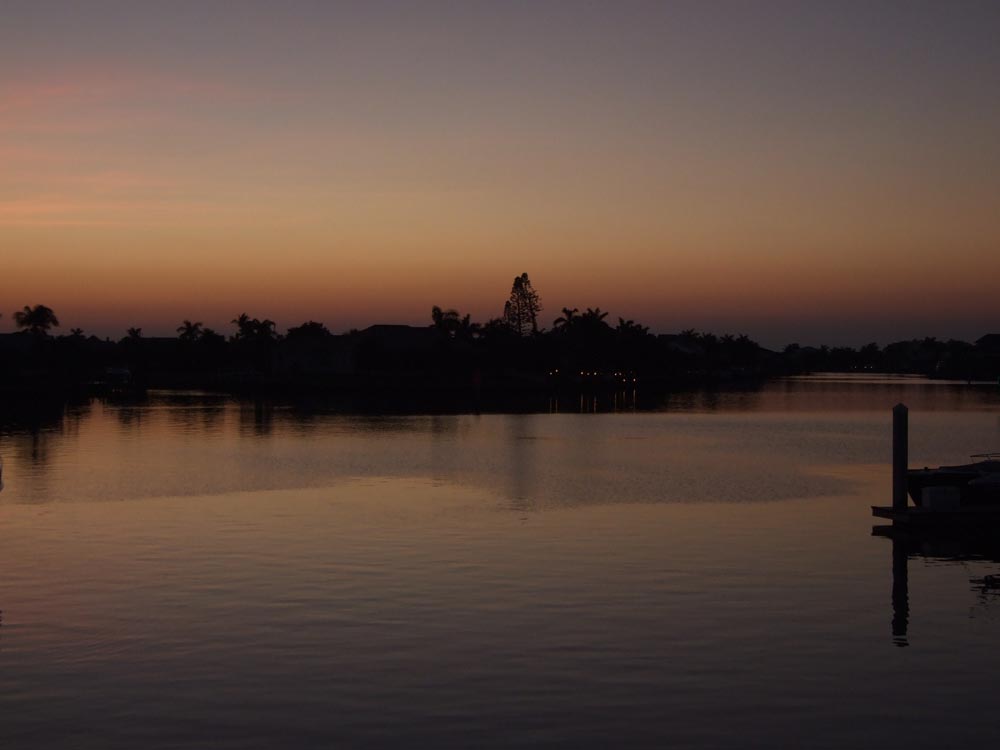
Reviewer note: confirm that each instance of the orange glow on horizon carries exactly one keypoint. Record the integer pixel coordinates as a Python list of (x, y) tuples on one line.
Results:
[(677, 184)]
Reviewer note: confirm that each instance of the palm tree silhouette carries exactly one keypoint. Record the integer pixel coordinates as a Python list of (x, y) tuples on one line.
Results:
[(630, 327), (566, 319), (243, 325), (266, 329), (251, 328), (38, 319), (189, 331), (454, 325)]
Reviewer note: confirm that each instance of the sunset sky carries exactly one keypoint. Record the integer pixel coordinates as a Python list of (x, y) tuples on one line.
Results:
[(813, 172)]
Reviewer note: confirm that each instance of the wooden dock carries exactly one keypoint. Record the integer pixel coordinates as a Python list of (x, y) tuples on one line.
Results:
[(951, 514), (970, 515)]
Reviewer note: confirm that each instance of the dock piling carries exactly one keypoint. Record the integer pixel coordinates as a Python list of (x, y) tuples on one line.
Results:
[(900, 457)]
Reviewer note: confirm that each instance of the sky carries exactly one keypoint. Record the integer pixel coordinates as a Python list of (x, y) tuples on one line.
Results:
[(808, 172)]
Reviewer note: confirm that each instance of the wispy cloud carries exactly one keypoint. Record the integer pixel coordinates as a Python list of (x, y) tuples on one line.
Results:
[(61, 160), (54, 90), (60, 211)]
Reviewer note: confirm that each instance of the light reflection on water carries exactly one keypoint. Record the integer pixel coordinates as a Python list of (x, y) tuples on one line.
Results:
[(200, 571)]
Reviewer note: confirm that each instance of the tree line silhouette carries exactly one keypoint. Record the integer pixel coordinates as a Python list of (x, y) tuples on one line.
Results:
[(581, 349)]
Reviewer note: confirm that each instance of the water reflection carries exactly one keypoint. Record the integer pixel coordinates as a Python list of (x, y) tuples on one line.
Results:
[(671, 454), (299, 574), (131, 417), (700, 447), (256, 418), (864, 392), (948, 546), (900, 593), (40, 426), (520, 436)]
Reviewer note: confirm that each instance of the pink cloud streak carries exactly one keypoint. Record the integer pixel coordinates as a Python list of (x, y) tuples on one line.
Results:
[(108, 85)]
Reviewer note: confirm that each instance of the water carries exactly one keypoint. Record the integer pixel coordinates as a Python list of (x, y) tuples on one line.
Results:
[(199, 572)]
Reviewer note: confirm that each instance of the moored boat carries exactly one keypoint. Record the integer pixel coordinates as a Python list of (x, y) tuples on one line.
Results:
[(960, 486)]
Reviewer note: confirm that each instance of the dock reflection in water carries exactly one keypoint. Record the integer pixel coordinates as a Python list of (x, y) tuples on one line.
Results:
[(946, 546)]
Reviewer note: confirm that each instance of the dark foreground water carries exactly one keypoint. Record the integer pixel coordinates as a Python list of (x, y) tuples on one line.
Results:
[(199, 572)]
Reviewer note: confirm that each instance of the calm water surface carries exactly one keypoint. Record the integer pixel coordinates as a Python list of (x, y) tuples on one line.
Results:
[(195, 571)]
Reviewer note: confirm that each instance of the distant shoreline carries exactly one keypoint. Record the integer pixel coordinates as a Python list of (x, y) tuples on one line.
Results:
[(450, 362)]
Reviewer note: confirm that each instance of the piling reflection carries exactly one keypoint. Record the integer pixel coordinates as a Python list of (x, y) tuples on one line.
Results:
[(900, 593), (955, 545)]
